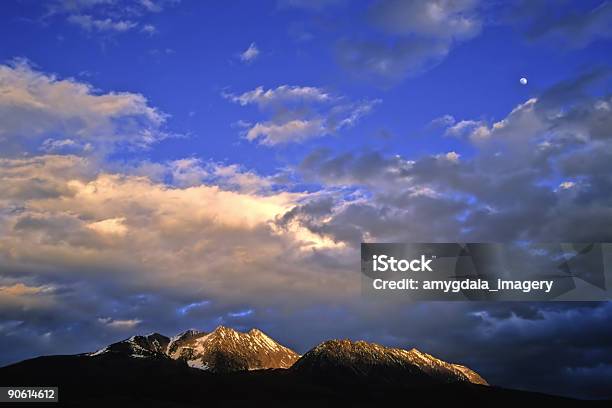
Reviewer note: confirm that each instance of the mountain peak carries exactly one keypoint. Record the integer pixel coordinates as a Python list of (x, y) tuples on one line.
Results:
[(150, 345), (361, 360), (188, 332), (223, 329), (223, 349)]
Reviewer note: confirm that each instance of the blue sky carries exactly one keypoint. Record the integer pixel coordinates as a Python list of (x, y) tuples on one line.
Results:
[(171, 164), (193, 56)]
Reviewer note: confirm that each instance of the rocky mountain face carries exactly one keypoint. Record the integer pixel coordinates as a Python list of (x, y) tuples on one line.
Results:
[(226, 350), (151, 345), (222, 350), (360, 360)]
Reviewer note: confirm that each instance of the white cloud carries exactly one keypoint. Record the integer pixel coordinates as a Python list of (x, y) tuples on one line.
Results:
[(298, 113), (444, 19), (462, 127), (234, 177), (110, 226), (292, 131), (151, 5), (523, 123), (149, 29), (194, 172), (90, 23), (444, 121), (35, 105), (58, 6), (108, 16), (65, 146), (250, 54), (522, 117), (119, 323), (452, 157), (281, 94)]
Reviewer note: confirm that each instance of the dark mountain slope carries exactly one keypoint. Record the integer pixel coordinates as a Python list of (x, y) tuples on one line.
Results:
[(113, 380)]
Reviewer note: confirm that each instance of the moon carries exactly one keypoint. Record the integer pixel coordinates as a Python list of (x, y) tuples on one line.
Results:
[(523, 81)]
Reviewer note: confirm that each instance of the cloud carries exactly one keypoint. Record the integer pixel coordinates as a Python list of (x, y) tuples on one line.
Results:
[(120, 245), (417, 36), (153, 6), (388, 64), (463, 127), (89, 23), (295, 131), (108, 16), (38, 110), (444, 121), (149, 29), (64, 145), (135, 7), (299, 113), (571, 26), (441, 19), (250, 54), (19, 289), (79, 225), (20, 293), (508, 190), (193, 172), (280, 95), (122, 324), (110, 226)]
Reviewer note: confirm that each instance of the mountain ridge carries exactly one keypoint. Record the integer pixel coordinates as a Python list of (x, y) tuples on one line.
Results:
[(227, 350), (221, 350), (361, 360)]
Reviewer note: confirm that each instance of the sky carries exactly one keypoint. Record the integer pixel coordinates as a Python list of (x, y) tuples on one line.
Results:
[(171, 164)]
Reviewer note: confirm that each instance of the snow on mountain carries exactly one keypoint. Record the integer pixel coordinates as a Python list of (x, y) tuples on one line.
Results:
[(227, 350), (150, 345), (221, 350), (180, 339)]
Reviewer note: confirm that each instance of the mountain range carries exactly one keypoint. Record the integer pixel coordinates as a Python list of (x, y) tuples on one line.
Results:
[(196, 366)]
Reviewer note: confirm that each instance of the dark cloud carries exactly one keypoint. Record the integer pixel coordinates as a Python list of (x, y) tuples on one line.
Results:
[(583, 24), (386, 63), (561, 348), (542, 173), (412, 37)]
